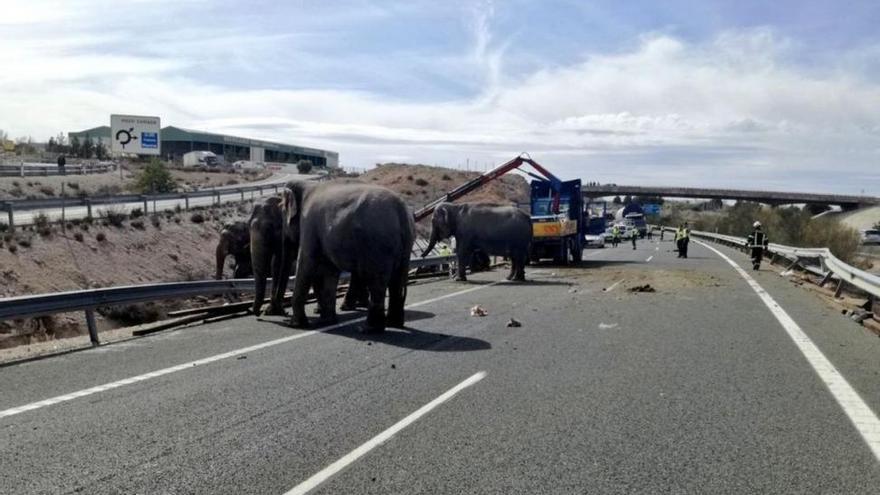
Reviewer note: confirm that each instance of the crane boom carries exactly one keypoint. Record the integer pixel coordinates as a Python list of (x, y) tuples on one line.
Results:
[(487, 177)]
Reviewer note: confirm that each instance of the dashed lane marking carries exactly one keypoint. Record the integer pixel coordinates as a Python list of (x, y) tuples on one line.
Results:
[(649, 258), (325, 474)]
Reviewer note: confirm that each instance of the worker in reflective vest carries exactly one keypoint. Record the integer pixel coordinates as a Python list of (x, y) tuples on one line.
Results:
[(634, 234), (757, 242), (682, 238), (615, 236)]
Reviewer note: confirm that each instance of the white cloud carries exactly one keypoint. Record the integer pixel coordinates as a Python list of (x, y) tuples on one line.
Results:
[(723, 112)]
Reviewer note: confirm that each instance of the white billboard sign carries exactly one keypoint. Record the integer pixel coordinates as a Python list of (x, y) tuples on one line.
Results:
[(135, 134)]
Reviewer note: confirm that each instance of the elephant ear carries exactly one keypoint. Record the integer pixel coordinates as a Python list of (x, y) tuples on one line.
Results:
[(289, 205)]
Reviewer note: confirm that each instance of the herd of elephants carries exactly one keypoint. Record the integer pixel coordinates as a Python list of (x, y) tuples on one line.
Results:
[(349, 226)]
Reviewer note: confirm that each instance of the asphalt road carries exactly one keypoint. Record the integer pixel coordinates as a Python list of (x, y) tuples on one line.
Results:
[(695, 388)]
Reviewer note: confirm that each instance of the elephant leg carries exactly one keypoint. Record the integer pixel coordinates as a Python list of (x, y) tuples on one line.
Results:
[(355, 295), (397, 298), (519, 262), (376, 311), (305, 278), (463, 261), (513, 267), (282, 263), (260, 262), (325, 292)]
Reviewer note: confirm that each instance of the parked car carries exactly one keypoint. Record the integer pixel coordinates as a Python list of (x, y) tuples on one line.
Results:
[(870, 236), (596, 240)]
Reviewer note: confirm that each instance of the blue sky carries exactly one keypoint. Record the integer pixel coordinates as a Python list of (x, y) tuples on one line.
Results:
[(782, 95)]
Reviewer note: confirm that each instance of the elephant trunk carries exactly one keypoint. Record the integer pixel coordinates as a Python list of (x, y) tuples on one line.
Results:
[(431, 244)]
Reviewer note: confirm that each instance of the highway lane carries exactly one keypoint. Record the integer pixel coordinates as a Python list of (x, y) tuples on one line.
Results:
[(26, 217), (693, 388)]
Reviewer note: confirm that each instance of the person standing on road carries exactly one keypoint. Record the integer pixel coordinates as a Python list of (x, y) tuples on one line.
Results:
[(615, 236), (634, 234), (757, 241), (687, 239), (682, 236)]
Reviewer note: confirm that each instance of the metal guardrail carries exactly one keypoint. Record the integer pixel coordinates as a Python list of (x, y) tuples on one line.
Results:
[(27, 170), (10, 206), (90, 299), (826, 265)]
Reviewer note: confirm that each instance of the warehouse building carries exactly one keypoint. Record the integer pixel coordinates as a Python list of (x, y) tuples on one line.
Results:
[(175, 141)]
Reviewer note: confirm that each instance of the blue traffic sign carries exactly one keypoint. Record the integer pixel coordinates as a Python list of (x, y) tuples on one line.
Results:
[(149, 139)]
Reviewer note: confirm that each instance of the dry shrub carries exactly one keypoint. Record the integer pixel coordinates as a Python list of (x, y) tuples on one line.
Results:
[(78, 236), (101, 237), (197, 218)]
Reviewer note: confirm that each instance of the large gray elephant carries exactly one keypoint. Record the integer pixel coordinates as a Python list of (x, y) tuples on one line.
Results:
[(234, 241), (348, 226), (492, 229), (266, 229)]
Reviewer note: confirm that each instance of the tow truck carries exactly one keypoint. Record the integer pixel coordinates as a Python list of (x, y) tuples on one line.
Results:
[(556, 208)]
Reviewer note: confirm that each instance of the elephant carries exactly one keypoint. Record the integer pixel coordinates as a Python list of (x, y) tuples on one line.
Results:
[(493, 229), (234, 240), (265, 227), (348, 226)]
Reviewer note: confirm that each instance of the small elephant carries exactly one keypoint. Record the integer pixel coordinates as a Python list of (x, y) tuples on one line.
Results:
[(492, 229), (348, 226), (265, 227), (235, 241)]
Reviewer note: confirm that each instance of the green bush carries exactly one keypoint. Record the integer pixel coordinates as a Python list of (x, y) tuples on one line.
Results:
[(155, 178)]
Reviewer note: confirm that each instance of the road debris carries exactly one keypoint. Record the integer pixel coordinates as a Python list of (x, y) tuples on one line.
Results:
[(606, 326), (513, 323), (241, 357), (478, 311), (642, 288)]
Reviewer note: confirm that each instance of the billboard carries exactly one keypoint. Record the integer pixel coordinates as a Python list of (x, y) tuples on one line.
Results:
[(135, 134)]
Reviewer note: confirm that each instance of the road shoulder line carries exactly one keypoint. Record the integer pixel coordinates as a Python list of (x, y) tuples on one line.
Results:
[(858, 412)]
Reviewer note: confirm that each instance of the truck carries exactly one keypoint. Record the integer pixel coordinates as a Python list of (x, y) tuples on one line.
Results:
[(200, 158), (632, 215), (558, 223), (556, 208)]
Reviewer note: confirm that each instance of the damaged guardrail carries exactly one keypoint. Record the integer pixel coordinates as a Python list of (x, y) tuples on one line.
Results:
[(90, 299)]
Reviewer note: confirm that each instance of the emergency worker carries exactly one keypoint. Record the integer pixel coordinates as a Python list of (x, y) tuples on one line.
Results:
[(615, 236), (634, 234), (757, 242)]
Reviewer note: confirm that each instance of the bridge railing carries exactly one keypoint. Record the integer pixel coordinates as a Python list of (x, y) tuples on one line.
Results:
[(819, 261), (90, 299)]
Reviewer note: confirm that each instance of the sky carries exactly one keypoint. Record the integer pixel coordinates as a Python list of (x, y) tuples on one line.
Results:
[(781, 95)]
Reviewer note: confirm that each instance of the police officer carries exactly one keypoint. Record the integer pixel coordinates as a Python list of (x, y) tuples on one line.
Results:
[(615, 236), (634, 234), (757, 241)]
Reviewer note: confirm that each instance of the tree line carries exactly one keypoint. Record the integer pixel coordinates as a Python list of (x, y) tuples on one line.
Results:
[(87, 148)]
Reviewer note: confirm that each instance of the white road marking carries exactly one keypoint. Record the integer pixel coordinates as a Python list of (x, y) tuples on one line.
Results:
[(324, 474), (615, 284), (649, 258), (226, 355), (861, 415)]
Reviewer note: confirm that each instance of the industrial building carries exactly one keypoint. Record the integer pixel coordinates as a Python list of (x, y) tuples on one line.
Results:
[(175, 141)]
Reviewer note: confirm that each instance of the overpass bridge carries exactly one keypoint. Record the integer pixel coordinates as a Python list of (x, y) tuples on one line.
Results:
[(847, 202)]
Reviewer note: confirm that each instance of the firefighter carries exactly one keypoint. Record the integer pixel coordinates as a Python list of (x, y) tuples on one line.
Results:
[(634, 234), (757, 241)]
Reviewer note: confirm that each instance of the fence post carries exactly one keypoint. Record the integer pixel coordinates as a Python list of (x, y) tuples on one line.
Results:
[(186, 202), (242, 194), (146, 210), (276, 188), (89, 209), (11, 218), (839, 288), (825, 279), (22, 168), (93, 328)]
